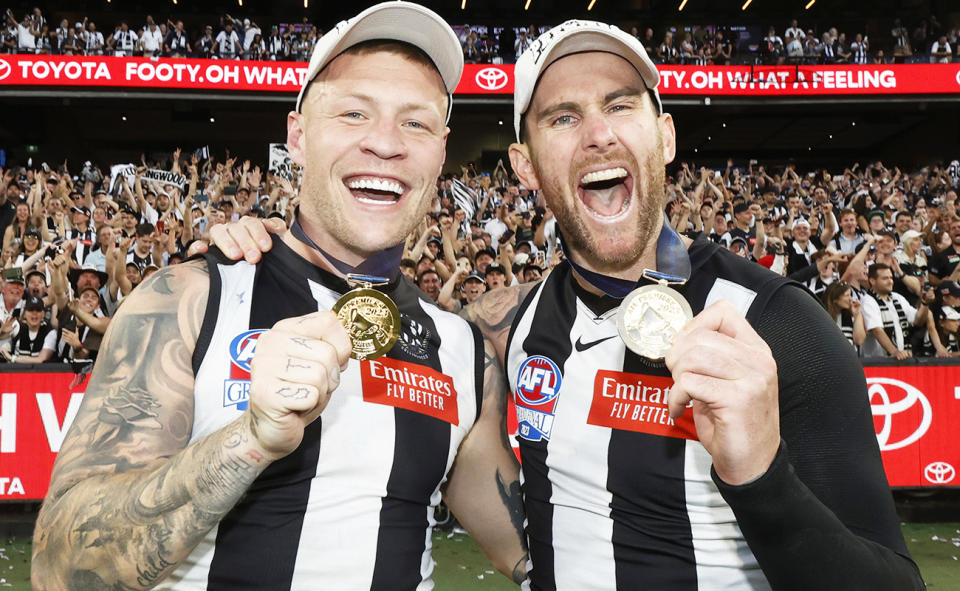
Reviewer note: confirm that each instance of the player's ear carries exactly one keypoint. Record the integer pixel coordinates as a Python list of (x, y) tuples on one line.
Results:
[(523, 166)]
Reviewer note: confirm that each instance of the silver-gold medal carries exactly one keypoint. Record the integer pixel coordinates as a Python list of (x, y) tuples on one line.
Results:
[(650, 317)]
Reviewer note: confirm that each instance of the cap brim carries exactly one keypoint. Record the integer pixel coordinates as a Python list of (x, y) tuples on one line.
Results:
[(394, 21), (578, 37)]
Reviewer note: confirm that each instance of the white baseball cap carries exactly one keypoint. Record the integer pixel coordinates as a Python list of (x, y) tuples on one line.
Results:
[(393, 21), (577, 36), (950, 313)]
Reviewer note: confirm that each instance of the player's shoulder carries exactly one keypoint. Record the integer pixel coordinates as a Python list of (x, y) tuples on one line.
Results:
[(168, 286)]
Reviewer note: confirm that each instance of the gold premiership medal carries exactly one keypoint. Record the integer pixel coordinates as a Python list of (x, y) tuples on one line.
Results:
[(370, 318), (650, 318)]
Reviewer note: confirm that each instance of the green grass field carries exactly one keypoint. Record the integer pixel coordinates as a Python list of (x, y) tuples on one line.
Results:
[(461, 566)]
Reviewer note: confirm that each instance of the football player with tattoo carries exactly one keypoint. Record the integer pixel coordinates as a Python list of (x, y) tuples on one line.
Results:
[(676, 431), (231, 437)]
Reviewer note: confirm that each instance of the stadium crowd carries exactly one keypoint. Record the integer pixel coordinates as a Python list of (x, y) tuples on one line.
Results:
[(879, 246), (927, 40)]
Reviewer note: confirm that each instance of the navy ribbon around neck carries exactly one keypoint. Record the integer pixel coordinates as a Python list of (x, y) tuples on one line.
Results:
[(385, 263), (673, 266)]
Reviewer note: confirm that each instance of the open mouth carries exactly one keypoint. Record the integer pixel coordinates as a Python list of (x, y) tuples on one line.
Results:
[(606, 193), (375, 190)]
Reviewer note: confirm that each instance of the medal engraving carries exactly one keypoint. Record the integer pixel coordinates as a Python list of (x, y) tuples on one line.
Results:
[(372, 321), (650, 318)]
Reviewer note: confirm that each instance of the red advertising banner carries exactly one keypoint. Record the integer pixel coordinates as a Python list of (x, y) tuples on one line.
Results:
[(915, 409), (36, 409), (233, 75)]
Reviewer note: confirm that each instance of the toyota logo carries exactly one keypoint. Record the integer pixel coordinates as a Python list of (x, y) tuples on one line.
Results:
[(491, 78), (939, 472), (4, 69), (884, 407)]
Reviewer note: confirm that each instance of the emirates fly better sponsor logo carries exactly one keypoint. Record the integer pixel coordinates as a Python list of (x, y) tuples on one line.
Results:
[(491, 78)]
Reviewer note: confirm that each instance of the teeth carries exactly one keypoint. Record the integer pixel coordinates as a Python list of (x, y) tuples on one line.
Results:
[(603, 175), (377, 185)]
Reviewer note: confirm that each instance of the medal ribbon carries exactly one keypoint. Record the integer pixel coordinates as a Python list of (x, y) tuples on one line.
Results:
[(673, 264), (385, 263)]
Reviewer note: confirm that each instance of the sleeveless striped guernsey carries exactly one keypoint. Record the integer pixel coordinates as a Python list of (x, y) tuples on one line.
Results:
[(352, 507), (617, 495)]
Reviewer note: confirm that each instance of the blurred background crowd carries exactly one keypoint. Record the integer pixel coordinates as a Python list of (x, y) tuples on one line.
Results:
[(879, 246), (920, 40)]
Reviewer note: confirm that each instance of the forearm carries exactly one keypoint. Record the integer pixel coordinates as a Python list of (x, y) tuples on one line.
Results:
[(788, 528), (837, 514), (150, 522), (98, 324)]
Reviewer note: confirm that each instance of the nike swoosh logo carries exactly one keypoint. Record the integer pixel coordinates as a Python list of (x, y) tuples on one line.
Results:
[(581, 346)]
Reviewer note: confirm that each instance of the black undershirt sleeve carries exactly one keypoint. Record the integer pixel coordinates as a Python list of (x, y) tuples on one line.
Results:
[(822, 516)]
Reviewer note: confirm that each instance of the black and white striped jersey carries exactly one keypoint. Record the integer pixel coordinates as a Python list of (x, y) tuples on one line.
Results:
[(352, 507), (618, 495)]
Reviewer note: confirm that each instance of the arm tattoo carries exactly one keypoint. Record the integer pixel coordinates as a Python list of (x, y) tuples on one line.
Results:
[(513, 500), (494, 312), (129, 499)]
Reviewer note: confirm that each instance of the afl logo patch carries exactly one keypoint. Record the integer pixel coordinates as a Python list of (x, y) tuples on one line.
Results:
[(538, 386), (242, 348)]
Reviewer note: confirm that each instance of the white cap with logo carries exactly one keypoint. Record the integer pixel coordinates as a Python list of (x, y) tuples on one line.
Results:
[(393, 21), (577, 36)]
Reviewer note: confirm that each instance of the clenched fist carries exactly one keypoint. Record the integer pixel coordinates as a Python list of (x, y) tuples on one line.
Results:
[(295, 369)]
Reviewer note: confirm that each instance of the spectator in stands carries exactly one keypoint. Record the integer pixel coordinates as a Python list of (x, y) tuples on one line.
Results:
[(722, 49), (795, 31), (256, 50), (940, 52), (176, 43), (204, 45), (278, 49), (227, 43), (849, 237), (10, 34), (649, 43), (666, 52), (81, 322), (894, 337), (912, 260), (151, 41), (28, 30), (772, 47), (859, 49), (429, 282), (496, 276), (123, 42), (250, 30), (98, 254), (33, 340), (901, 42), (828, 49), (522, 43), (945, 265), (93, 40), (842, 49), (688, 50), (794, 48), (846, 311)]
